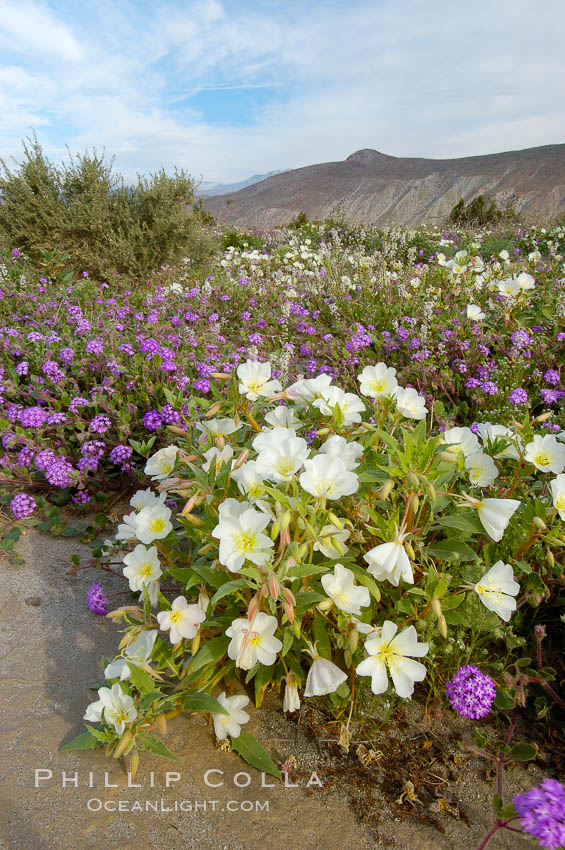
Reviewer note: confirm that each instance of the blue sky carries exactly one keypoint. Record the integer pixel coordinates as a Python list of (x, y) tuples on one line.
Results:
[(227, 89)]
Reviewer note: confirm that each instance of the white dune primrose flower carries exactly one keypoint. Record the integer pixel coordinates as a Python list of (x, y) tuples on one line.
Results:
[(341, 589), (281, 457), (392, 651), (410, 403), (216, 428), (142, 566), (241, 539), (291, 699), (328, 477), (283, 416), (230, 723), (137, 652), (489, 432), (546, 454), (457, 440), (127, 529), (324, 543), (153, 524), (324, 677), (146, 499), (482, 469), (348, 453), (308, 390), (557, 487), (350, 405), (495, 514), (161, 464), (525, 281), (222, 457), (390, 561), (118, 708), (509, 288), (378, 381), (253, 640), (475, 313), (497, 589), (183, 619), (249, 480), (255, 380)]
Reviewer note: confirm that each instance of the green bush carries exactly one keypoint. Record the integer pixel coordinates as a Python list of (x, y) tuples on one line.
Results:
[(477, 212), (102, 225)]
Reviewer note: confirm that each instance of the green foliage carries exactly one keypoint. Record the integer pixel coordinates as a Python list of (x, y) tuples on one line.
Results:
[(106, 227), (478, 213)]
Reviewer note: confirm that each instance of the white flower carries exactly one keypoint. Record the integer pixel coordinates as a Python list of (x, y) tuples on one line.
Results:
[(495, 514), (118, 708), (291, 699), (241, 539), (546, 454), (142, 566), (377, 381), (127, 529), (504, 255), (324, 677), (349, 453), (324, 543), (497, 588), (283, 416), (509, 288), (328, 477), (153, 524), (253, 641), (475, 313), (137, 652), (282, 455), (307, 391), (152, 588), (249, 480), (482, 469), (410, 404), (341, 588), (489, 432), (146, 499), (525, 281), (457, 440), (230, 723), (221, 457), (183, 619), (350, 405), (161, 464), (558, 492), (254, 380), (232, 508), (216, 428), (390, 561), (391, 650)]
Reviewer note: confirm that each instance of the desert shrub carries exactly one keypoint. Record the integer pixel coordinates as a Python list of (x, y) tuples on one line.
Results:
[(105, 226)]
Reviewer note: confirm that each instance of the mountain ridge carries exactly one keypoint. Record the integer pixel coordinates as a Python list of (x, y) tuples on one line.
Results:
[(370, 187)]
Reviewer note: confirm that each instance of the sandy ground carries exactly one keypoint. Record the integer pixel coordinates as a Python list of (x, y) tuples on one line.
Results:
[(50, 652)]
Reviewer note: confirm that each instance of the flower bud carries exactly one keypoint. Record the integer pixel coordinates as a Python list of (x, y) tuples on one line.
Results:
[(122, 744), (436, 606), (215, 408), (550, 558), (274, 586), (291, 699), (324, 606), (412, 479), (348, 657), (322, 432), (335, 520), (275, 529), (176, 430), (415, 504), (442, 624), (206, 548), (203, 599), (219, 440), (189, 505), (353, 640), (386, 490), (337, 544), (161, 724), (288, 595), (285, 520), (300, 523), (302, 551), (409, 549), (430, 491), (195, 642), (448, 457), (289, 611), (539, 523), (134, 764), (220, 376), (241, 459)]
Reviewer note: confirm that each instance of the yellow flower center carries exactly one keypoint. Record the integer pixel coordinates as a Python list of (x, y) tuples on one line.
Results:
[(146, 570), (245, 541), (175, 617), (157, 525), (560, 502), (542, 459), (378, 386), (285, 467)]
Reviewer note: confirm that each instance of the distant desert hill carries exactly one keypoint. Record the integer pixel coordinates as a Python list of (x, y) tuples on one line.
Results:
[(372, 188)]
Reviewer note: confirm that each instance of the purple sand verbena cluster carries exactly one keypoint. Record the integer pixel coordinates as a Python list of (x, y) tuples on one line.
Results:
[(542, 813), (96, 600), (471, 692)]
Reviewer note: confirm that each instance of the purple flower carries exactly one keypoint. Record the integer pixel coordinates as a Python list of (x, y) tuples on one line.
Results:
[(542, 813), (82, 497), (470, 692), (100, 424), (255, 339), (489, 388), (76, 402), (94, 346), (202, 386), (22, 505), (25, 457), (96, 600), (16, 253), (518, 396), (152, 420), (33, 417), (551, 396), (59, 472), (22, 368), (551, 376), (66, 355), (121, 454), (149, 346)]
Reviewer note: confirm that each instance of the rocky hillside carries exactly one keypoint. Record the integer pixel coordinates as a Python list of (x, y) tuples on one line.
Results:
[(372, 188)]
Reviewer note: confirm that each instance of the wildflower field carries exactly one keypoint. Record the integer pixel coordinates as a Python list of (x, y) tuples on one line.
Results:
[(344, 455)]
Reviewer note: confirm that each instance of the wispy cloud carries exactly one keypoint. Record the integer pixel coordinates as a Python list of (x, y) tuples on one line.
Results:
[(290, 83)]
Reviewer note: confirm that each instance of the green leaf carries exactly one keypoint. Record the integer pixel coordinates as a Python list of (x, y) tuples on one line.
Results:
[(201, 701), (321, 636), (503, 701), (288, 640), (154, 745), (522, 751), (462, 522), (226, 589), (307, 599), (254, 754), (84, 741), (446, 550), (212, 577), (209, 653), (302, 570), (141, 680)]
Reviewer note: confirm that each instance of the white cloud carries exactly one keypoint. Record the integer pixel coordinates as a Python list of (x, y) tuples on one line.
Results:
[(406, 77)]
